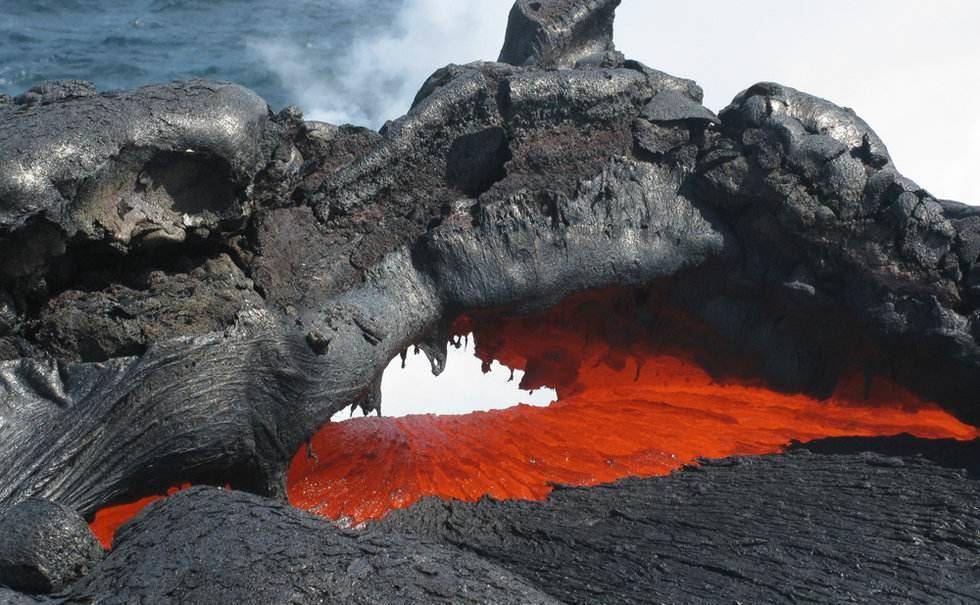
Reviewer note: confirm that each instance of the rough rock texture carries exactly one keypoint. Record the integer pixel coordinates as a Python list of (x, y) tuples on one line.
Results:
[(562, 33), (44, 547), (798, 527), (795, 528), (205, 545), (191, 285), (131, 311), (11, 597), (132, 164)]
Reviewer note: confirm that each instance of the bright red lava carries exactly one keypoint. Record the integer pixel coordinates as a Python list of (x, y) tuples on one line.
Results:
[(624, 409), (669, 417), (111, 518)]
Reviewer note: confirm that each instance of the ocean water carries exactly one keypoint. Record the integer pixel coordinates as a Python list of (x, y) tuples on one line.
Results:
[(339, 60)]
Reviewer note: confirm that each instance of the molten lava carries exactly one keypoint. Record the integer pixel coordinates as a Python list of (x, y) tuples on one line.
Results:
[(625, 408), (634, 399), (109, 519)]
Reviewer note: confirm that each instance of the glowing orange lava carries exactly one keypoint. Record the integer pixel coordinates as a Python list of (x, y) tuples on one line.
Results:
[(626, 407), (623, 409), (109, 519), (670, 416)]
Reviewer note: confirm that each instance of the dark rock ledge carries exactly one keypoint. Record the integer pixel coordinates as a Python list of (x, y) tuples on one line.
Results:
[(799, 527), (190, 284)]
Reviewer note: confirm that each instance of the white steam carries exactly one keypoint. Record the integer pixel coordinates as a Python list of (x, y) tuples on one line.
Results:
[(376, 78)]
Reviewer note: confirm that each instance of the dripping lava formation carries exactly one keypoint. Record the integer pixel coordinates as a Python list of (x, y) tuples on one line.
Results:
[(765, 343)]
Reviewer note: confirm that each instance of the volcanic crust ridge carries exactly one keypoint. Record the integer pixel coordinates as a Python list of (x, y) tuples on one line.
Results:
[(191, 285)]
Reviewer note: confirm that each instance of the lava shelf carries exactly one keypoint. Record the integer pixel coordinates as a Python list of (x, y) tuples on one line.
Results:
[(624, 408)]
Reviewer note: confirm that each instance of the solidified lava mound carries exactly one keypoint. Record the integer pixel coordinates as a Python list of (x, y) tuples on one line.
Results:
[(191, 285)]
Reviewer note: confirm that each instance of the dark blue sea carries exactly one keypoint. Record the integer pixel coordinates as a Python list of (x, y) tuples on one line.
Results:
[(341, 60)]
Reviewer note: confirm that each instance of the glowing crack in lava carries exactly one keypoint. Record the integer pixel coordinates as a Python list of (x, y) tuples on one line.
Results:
[(626, 407), (111, 518)]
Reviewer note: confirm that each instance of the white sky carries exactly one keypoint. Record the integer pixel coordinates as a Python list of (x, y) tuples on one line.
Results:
[(461, 388), (910, 69)]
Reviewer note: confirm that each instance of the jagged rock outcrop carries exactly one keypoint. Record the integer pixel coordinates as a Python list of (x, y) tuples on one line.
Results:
[(563, 33), (190, 284)]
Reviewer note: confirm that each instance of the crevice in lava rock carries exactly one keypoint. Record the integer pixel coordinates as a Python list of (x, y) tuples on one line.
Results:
[(634, 399), (107, 521), (191, 183), (94, 302), (643, 388), (476, 161)]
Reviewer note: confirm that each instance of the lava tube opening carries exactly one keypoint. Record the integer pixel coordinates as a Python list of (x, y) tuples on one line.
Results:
[(626, 406), (641, 390)]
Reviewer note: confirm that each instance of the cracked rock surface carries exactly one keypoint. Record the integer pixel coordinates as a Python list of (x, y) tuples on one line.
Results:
[(800, 527), (205, 545)]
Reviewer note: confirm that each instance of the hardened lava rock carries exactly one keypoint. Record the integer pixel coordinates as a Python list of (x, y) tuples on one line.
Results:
[(800, 527), (206, 545), (144, 164), (561, 33), (44, 547)]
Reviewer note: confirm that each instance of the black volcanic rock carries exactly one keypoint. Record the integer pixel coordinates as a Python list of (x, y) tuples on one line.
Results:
[(857, 527), (191, 285), (145, 164), (55, 90), (44, 547), (671, 106), (205, 545), (560, 33), (821, 205), (801, 527), (11, 597), (144, 306)]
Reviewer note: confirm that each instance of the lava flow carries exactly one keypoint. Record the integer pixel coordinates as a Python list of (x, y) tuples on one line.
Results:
[(625, 408), (111, 518)]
